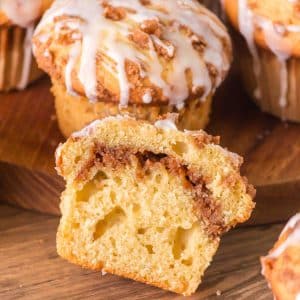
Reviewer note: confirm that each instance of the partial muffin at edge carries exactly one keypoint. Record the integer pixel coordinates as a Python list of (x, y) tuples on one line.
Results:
[(17, 21), (268, 47), (281, 267)]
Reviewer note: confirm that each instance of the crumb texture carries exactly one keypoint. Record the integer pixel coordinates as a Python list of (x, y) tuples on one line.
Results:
[(137, 203), (146, 228)]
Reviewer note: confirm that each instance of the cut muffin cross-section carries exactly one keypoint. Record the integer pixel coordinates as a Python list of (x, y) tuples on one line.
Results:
[(148, 202)]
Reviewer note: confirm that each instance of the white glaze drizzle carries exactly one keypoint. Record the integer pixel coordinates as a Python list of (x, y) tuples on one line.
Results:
[(292, 239), (273, 40), (166, 124), (272, 33), (169, 48), (291, 223), (21, 12), (27, 59), (246, 25), (90, 129), (147, 97), (94, 30), (284, 82), (74, 53)]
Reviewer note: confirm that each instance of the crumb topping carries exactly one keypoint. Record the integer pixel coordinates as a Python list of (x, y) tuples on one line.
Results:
[(114, 13)]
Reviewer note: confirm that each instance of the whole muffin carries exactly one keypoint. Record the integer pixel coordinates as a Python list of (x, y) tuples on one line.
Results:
[(144, 58), (282, 266), (17, 22), (269, 52)]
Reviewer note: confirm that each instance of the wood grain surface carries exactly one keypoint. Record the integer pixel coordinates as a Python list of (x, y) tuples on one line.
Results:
[(31, 269), (29, 136)]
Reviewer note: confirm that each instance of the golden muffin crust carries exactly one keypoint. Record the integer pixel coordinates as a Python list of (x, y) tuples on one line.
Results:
[(138, 52), (281, 266), (74, 113), (276, 23), (22, 13)]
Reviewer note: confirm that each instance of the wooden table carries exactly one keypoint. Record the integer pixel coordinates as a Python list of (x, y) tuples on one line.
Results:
[(31, 269)]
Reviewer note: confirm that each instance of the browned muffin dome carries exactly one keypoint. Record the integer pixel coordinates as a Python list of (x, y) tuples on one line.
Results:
[(134, 51)]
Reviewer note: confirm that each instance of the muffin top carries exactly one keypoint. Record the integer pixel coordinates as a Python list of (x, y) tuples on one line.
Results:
[(274, 24), (22, 13), (134, 51)]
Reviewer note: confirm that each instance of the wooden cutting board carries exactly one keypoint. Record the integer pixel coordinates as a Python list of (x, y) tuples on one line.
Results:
[(29, 136)]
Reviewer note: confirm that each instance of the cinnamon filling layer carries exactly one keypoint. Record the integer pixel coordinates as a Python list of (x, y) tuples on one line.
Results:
[(204, 205)]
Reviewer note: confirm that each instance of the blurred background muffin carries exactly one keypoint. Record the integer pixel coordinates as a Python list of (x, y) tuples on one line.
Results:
[(268, 49), (144, 58), (17, 22)]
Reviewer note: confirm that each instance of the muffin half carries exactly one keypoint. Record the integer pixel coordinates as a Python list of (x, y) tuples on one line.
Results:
[(268, 45), (17, 22), (143, 58), (148, 202)]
